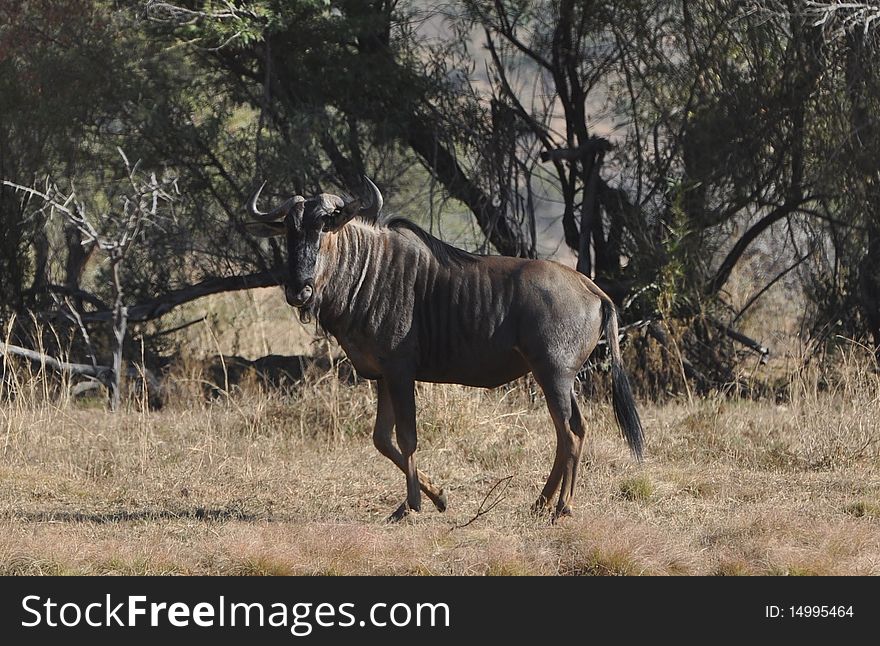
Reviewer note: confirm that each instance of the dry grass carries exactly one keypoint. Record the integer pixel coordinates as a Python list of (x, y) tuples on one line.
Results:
[(255, 482), (251, 323)]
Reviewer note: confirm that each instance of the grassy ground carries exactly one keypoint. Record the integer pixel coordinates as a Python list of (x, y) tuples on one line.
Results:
[(266, 483)]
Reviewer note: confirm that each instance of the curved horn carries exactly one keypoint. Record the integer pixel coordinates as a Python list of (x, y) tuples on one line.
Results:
[(376, 202), (276, 213)]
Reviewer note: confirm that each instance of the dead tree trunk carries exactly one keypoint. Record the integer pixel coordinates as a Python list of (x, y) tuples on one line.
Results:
[(120, 323), (591, 222)]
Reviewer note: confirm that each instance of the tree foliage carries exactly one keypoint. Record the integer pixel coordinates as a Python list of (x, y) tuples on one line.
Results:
[(666, 139)]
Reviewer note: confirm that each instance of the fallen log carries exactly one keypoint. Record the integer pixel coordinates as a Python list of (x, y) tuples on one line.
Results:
[(104, 374), (96, 374)]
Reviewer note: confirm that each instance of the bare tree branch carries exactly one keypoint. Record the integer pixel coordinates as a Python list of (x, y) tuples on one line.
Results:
[(167, 12), (733, 256), (161, 305), (840, 18), (113, 232), (484, 509)]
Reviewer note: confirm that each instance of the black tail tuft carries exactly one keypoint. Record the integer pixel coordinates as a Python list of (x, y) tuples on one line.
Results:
[(625, 411), (621, 392)]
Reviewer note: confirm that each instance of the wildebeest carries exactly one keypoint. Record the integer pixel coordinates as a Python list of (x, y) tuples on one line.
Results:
[(407, 307)]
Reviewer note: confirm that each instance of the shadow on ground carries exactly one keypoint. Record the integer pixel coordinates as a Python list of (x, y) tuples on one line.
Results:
[(122, 516)]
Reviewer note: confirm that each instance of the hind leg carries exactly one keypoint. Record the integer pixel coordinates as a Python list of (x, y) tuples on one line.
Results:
[(569, 439), (570, 467), (542, 504), (553, 480)]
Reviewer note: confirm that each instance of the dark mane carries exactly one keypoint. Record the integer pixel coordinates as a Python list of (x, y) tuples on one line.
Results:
[(445, 253)]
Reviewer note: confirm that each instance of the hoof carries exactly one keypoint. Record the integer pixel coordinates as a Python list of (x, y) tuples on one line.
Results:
[(559, 514), (541, 506), (441, 502), (400, 513)]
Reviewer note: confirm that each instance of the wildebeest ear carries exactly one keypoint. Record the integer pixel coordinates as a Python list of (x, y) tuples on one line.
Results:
[(341, 216), (266, 229)]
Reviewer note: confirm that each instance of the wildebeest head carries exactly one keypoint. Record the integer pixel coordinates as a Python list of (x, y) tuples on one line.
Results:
[(303, 221)]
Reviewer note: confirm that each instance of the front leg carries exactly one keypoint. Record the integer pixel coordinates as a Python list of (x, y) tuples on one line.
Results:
[(403, 400), (382, 433)]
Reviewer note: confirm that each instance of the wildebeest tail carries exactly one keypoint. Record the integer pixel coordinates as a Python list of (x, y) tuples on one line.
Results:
[(621, 392)]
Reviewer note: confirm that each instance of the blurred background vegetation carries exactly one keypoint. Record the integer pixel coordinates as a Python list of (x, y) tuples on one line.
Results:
[(713, 165)]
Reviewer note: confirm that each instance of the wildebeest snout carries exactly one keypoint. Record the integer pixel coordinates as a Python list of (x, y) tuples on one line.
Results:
[(299, 298)]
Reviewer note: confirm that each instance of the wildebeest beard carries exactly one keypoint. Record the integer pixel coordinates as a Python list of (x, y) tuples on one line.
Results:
[(308, 312)]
